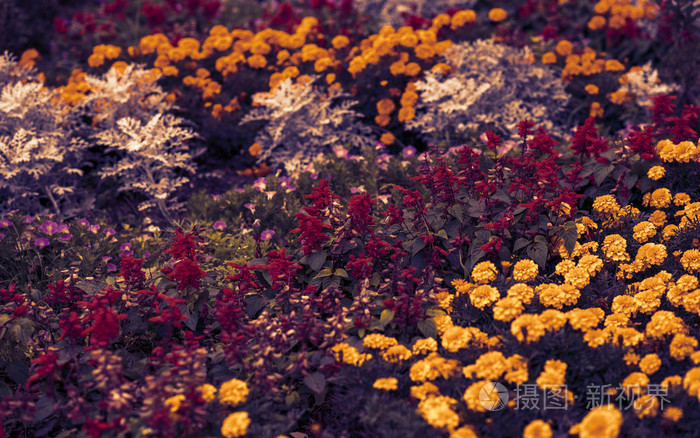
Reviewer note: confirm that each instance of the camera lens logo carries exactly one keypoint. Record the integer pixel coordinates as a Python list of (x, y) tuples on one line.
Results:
[(493, 396)]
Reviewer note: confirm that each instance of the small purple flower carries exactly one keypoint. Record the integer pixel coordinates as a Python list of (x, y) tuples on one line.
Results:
[(94, 228), (356, 190), (42, 242), (126, 254), (65, 237), (408, 152), (110, 232), (62, 228), (379, 146), (28, 219), (126, 246), (216, 197), (250, 206), (84, 222), (240, 190), (106, 258), (49, 227), (260, 184), (219, 225), (5, 223), (314, 175), (340, 151), (267, 235), (146, 255), (111, 267)]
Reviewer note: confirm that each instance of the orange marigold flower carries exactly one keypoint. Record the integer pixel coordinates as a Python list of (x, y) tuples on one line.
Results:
[(549, 58), (340, 41), (564, 48), (597, 22), (497, 15)]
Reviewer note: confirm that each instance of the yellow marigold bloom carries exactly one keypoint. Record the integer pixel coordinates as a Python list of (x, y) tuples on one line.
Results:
[(643, 231), (464, 432), (396, 354), (432, 367), (257, 61), (233, 393), (507, 309), (424, 51), (592, 264), (617, 320), (614, 65), (382, 120), (552, 319), (596, 23), (646, 406), (549, 58), (585, 319), (340, 42), (170, 70), (681, 199), (656, 173), (635, 383), (601, 422), (422, 391), (385, 106), (208, 392), (591, 89), (425, 346), (537, 429), (606, 205), (497, 15), (484, 272), (378, 341), (437, 411), (406, 113), (386, 384), (615, 248), (456, 338), (517, 369), (691, 260), (682, 346), (441, 20), (564, 48), (408, 39), (235, 425), (475, 395), (660, 198), (412, 69), (525, 270), (96, 60), (460, 18), (397, 68), (409, 98), (691, 382), (577, 277), (532, 325), (596, 338), (387, 138), (672, 413), (558, 296), (650, 364), (658, 218), (631, 358), (554, 374), (350, 355), (483, 296), (522, 292), (596, 110), (174, 402)]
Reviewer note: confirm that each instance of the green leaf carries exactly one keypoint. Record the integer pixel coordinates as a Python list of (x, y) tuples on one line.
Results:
[(341, 273), (568, 234), (520, 244), (316, 382), (418, 244), (325, 272), (442, 233), (456, 211), (428, 328), (601, 172), (538, 253), (317, 259), (386, 317)]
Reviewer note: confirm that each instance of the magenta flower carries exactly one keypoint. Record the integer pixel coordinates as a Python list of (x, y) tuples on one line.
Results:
[(250, 206), (28, 219), (84, 222), (5, 223), (94, 228), (408, 152), (42, 242), (267, 235), (111, 267), (110, 231), (219, 225), (49, 227), (65, 237), (216, 197), (240, 190), (126, 246)]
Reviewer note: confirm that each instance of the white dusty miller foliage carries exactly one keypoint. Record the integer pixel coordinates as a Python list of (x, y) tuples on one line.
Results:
[(492, 86), (132, 93), (150, 154), (302, 123), (645, 84), (38, 154)]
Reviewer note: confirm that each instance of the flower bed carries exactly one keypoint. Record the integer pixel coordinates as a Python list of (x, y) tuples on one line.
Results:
[(367, 218)]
